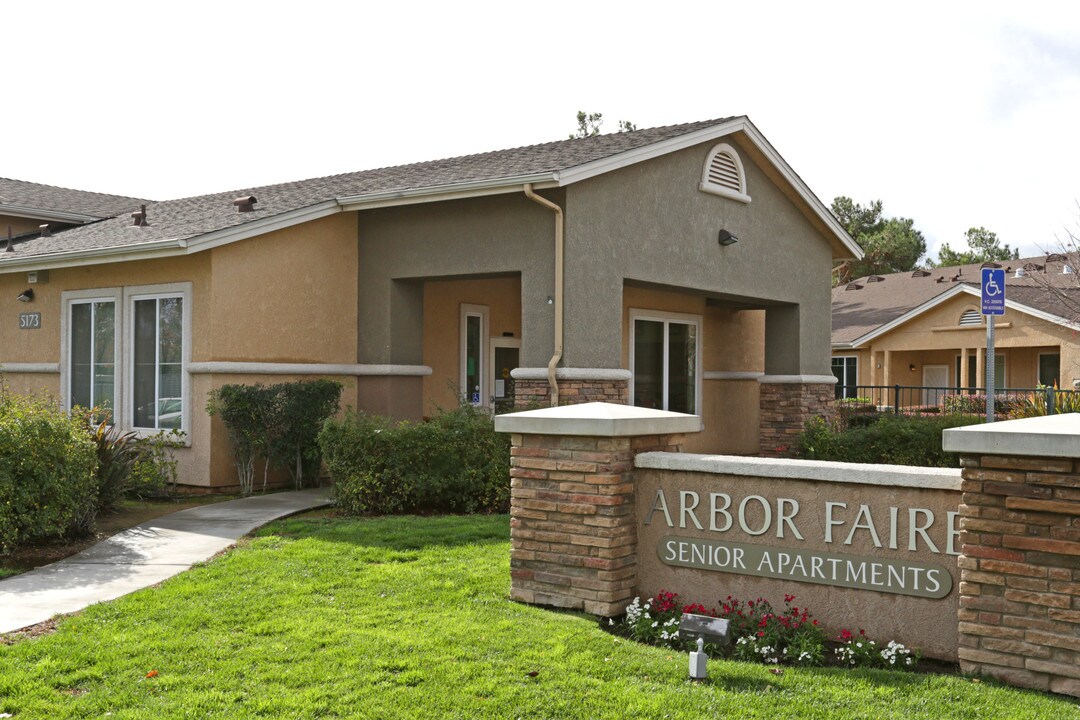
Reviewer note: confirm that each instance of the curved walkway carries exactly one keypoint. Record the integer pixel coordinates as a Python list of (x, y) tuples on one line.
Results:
[(142, 556)]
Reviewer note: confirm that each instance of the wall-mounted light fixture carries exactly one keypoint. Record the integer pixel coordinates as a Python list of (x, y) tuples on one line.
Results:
[(27, 295), (911, 367), (726, 238)]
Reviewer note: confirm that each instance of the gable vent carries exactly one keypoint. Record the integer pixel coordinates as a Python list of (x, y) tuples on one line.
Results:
[(971, 318), (723, 174)]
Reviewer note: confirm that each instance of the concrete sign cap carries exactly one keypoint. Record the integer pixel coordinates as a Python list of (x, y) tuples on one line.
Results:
[(598, 419), (1047, 436)]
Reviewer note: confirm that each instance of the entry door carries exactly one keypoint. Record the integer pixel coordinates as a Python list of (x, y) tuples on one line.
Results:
[(935, 378), (505, 354)]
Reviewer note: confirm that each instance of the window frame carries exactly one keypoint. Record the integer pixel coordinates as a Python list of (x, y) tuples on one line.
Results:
[(667, 318), (1038, 367), (123, 348), (466, 311), (157, 292), (68, 299), (840, 392)]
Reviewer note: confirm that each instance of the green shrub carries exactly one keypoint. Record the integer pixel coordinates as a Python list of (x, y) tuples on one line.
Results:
[(48, 486), (278, 422), (455, 462), (1034, 404), (895, 440)]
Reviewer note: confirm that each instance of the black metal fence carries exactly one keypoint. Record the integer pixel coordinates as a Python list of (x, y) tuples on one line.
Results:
[(924, 400)]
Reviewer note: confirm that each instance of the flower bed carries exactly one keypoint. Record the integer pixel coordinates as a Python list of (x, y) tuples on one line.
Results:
[(759, 633)]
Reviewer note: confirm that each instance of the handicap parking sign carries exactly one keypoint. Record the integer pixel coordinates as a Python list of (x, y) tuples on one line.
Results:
[(993, 291)]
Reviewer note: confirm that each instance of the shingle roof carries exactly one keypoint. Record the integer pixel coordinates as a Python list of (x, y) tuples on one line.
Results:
[(49, 199), (191, 217), (858, 312)]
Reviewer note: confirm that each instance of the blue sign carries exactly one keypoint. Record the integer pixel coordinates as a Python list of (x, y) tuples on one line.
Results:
[(993, 291)]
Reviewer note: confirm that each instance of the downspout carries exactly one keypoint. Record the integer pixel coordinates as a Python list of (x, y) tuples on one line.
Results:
[(557, 355)]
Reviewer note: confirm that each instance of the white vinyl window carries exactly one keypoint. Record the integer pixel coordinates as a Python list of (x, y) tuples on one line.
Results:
[(127, 350), (90, 352), (845, 369), (474, 373), (665, 360)]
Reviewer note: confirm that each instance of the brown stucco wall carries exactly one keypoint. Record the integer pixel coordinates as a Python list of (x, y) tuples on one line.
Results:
[(928, 624), (649, 223)]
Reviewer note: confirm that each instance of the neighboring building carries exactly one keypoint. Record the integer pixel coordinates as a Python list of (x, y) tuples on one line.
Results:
[(26, 206), (421, 283), (925, 328)]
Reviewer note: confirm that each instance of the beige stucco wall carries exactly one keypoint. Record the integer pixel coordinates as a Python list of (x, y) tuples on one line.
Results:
[(935, 338), (442, 329), (732, 341), (925, 623), (287, 296)]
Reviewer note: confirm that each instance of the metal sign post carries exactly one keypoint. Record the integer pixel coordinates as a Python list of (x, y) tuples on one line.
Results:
[(993, 303)]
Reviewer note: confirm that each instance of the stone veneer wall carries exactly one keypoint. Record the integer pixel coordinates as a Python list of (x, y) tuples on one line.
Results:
[(533, 393), (1020, 570), (573, 530), (785, 408)]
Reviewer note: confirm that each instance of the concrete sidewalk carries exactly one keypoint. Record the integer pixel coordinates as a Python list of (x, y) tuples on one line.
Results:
[(141, 556)]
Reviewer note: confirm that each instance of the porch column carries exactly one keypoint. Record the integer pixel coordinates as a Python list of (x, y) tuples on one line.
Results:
[(886, 365), (963, 381), (573, 531), (789, 394), (980, 367)]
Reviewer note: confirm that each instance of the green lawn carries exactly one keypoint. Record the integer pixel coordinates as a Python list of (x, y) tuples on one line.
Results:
[(408, 618)]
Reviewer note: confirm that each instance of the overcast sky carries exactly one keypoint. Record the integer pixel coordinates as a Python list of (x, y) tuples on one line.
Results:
[(953, 114)]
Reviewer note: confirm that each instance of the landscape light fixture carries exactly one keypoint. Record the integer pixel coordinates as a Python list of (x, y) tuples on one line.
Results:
[(27, 295), (726, 238)]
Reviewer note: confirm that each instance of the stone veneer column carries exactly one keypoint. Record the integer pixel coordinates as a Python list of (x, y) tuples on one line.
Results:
[(573, 531), (576, 385), (1019, 616), (787, 402)]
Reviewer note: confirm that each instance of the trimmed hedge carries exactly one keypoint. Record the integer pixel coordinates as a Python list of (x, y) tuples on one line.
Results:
[(890, 439), (48, 485), (455, 462)]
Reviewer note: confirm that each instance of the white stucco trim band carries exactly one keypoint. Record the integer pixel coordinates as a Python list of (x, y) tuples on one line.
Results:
[(1047, 436), (594, 374), (731, 375), (816, 470), (798, 379), (270, 368), (29, 368)]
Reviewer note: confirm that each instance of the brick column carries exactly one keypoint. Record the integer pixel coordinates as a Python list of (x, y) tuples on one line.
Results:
[(576, 385), (1019, 616), (786, 403), (572, 525)]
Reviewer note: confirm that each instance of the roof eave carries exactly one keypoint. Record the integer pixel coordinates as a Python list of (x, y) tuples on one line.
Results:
[(41, 214), (454, 191), (93, 256), (742, 124)]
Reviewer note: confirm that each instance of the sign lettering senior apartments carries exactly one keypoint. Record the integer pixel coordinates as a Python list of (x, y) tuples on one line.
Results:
[(902, 529)]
